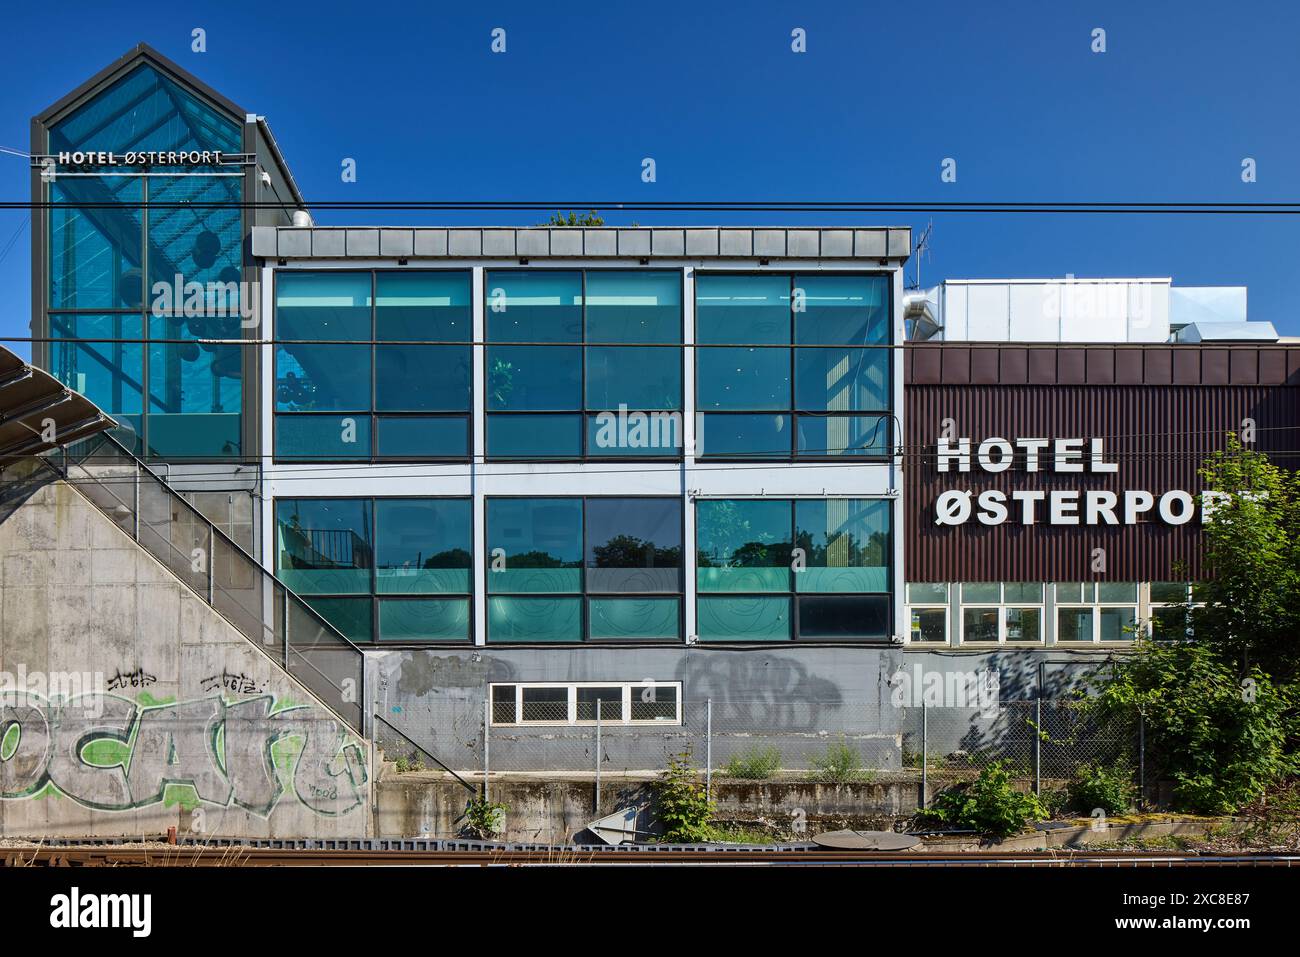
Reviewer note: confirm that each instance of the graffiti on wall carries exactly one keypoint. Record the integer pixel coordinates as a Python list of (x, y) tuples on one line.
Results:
[(110, 753)]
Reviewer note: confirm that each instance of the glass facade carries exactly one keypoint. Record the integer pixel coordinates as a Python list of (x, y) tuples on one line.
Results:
[(389, 569), (783, 569), (583, 364), (573, 569), (793, 366), (149, 258), (372, 365)]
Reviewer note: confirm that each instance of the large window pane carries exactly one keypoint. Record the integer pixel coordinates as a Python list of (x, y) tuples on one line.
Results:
[(110, 374), (422, 437), (634, 307), (1074, 624), (634, 545), (423, 619), (322, 378), (742, 309), (929, 624), (351, 616), (641, 618), (638, 377), (534, 545), (95, 252), (534, 378), (541, 306), (323, 546), (534, 619), (423, 305), (744, 545), (851, 435), (743, 378), (743, 618), (322, 438), (730, 436), (422, 378), (423, 545), (1117, 624), (842, 310), (651, 434), (195, 390), (845, 543), (841, 380), (844, 618), (979, 624), (322, 305), (534, 436), (1023, 624)]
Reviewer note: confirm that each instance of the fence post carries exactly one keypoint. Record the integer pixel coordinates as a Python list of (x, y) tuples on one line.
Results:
[(1142, 761), (925, 748), (597, 807), (136, 509), (487, 721), (1038, 745), (212, 545), (708, 749)]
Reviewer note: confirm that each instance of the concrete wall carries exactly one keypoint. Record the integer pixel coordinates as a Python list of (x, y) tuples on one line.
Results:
[(799, 699), (129, 705), (558, 811)]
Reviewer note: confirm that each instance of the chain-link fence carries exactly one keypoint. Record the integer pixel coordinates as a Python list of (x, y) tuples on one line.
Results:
[(635, 735)]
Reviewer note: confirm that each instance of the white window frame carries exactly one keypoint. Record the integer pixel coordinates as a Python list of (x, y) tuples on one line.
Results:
[(1002, 606), (1188, 602), (909, 606), (1096, 606), (571, 720)]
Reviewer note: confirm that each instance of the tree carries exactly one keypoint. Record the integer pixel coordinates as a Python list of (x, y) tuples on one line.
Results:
[(1251, 615), (591, 218)]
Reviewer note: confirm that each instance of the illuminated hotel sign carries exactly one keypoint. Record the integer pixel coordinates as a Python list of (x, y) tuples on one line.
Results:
[(1054, 506)]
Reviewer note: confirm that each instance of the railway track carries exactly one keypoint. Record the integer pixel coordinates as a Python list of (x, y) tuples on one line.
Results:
[(235, 855)]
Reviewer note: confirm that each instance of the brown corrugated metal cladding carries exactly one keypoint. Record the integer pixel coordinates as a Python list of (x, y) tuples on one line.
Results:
[(1159, 411)]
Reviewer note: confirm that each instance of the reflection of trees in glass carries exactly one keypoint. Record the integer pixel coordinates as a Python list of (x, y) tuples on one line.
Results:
[(728, 524), (843, 550), (451, 558), (539, 558), (628, 551), (501, 382)]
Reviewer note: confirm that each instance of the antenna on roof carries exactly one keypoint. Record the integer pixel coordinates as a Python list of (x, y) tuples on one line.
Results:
[(922, 246)]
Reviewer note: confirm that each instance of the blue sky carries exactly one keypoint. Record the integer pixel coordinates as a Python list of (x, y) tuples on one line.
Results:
[(713, 92)]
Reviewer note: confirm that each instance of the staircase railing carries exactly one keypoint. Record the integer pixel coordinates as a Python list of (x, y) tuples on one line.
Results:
[(219, 571)]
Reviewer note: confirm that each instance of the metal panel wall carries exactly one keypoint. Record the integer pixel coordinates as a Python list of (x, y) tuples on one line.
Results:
[(1158, 434)]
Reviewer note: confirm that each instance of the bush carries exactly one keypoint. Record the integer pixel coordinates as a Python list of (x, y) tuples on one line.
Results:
[(683, 807), (1221, 738), (485, 819), (989, 805), (756, 764), (840, 763), (1096, 786)]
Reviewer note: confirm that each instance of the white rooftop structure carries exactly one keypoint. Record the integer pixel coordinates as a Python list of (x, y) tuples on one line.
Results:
[(1080, 310)]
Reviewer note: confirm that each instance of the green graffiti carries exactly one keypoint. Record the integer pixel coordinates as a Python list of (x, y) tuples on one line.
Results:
[(9, 743), (110, 753)]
